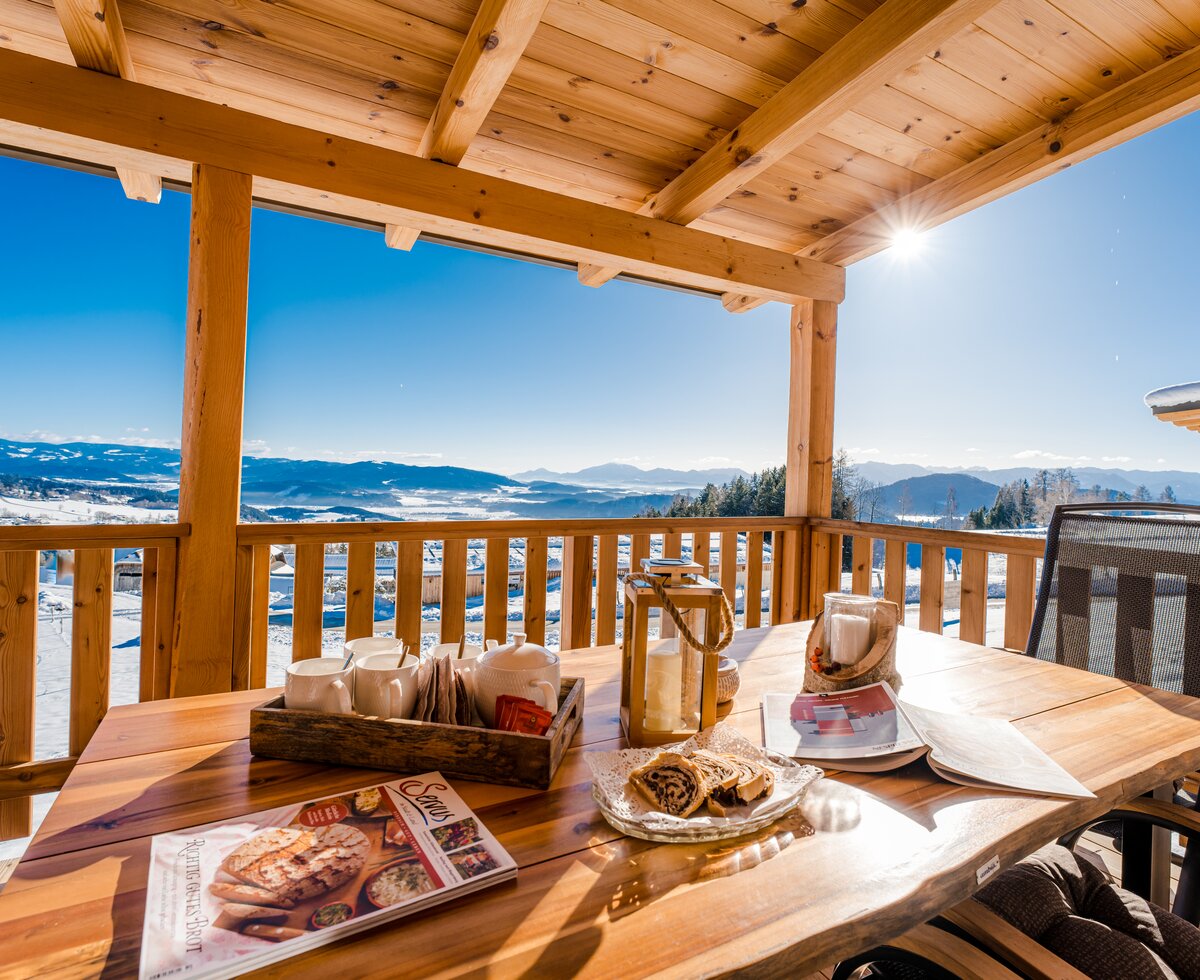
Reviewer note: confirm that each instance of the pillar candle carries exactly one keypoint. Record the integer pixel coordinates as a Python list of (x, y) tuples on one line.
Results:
[(664, 688), (850, 638)]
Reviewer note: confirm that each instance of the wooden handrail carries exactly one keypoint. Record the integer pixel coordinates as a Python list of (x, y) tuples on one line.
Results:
[(976, 540), (346, 532), (65, 537)]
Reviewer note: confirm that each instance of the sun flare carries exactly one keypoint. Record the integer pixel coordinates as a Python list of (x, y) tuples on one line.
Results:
[(907, 242)]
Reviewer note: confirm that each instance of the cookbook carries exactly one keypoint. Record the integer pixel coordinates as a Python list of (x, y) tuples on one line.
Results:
[(868, 729), (232, 896)]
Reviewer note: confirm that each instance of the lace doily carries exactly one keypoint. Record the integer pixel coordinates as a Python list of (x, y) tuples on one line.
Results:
[(617, 798)]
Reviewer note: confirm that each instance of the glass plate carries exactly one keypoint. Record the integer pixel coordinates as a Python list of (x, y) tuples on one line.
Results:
[(628, 812)]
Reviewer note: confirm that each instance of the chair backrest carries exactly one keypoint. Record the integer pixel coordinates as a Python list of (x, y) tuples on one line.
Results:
[(1120, 593)]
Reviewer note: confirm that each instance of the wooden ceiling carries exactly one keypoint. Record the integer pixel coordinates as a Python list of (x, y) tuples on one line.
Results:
[(811, 127)]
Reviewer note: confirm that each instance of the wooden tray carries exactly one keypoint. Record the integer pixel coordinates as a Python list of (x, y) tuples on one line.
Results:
[(483, 755)]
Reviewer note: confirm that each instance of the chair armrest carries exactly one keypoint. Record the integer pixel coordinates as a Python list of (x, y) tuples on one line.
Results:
[(1161, 813), (953, 954), (1010, 944)]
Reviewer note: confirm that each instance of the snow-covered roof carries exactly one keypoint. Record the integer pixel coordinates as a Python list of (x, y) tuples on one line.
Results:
[(1174, 397)]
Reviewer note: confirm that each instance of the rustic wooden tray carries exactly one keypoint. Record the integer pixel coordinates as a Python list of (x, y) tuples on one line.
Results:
[(483, 755)]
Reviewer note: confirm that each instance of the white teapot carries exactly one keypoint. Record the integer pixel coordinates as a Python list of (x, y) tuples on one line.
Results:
[(524, 670)]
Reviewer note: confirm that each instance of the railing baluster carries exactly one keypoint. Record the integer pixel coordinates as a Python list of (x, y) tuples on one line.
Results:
[(18, 657), (729, 563), (702, 551), (606, 590), (575, 624), (148, 637), (243, 615), (410, 567), (91, 643), (639, 548), (933, 587), (164, 619), (860, 565), (308, 601), (754, 576), (360, 589), (454, 590), (536, 549), (895, 573), (672, 547), (973, 602), (1020, 579), (495, 590), (260, 613)]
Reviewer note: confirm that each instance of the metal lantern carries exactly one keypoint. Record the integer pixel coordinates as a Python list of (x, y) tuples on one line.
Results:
[(669, 685)]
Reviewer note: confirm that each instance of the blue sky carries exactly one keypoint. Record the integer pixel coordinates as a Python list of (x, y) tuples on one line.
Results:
[(1025, 332)]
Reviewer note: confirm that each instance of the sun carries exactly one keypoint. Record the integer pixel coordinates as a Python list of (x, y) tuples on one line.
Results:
[(907, 242)]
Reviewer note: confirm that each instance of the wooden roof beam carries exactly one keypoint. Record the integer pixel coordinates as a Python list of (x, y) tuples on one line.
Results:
[(491, 49), (1143, 103), (362, 178), (892, 38), (97, 41)]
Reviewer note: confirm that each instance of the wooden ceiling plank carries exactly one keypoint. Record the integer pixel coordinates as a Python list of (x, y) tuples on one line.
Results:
[(442, 199), (1141, 104), (891, 39), (1057, 43), (97, 41), (818, 24), (1140, 28), (1181, 416)]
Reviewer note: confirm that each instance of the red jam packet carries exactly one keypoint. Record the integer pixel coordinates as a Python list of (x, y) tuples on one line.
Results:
[(515, 714)]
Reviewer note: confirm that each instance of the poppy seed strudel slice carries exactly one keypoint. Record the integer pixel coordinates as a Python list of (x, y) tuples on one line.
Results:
[(672, 783)]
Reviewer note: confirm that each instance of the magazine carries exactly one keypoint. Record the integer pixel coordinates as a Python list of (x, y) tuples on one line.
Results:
[(232, 896), (868, 729)]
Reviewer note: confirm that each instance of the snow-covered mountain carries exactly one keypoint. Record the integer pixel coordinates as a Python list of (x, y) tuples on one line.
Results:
[(625, 475)]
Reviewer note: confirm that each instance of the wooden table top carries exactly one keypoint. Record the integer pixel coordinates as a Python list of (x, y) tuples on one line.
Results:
[(870, 856)]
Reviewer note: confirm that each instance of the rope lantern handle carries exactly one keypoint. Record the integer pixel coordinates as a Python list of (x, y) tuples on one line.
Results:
[(727, 622)]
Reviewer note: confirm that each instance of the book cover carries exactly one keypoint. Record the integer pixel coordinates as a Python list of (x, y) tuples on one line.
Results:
[(854, 724), (233, 895)]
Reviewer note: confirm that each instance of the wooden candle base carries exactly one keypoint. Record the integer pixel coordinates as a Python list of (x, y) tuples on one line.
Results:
[(879, 663)]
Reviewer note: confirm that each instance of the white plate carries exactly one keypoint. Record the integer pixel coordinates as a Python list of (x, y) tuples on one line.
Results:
[(630, 813)]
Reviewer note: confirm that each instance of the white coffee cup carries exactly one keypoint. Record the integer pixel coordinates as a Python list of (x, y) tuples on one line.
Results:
[(364, 646), (384, 689), (319, 684)]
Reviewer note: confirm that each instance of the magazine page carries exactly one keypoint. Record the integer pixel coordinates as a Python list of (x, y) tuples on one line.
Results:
[(990, 752), (230, 896), (860, 723)]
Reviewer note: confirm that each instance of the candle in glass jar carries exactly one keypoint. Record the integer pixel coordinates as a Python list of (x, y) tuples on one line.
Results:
[(849, 638), (664, 688)]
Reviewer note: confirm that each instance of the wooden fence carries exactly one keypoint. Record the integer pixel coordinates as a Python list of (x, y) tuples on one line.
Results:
[(91, 644)]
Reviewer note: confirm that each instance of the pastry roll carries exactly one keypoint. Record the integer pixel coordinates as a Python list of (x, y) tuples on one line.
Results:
[(671, 782)]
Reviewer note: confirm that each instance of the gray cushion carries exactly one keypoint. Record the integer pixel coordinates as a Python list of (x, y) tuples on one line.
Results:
[(1069, 907)]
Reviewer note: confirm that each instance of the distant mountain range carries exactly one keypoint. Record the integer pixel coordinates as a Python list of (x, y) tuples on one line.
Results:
[(1186, 485), (290, 488), (625, 475)]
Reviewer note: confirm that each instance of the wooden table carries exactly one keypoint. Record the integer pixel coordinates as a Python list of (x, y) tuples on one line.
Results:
[(871, 856)]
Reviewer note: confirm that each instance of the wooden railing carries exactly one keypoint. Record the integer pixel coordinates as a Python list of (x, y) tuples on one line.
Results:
[(90, 550), (590, 569), (1020, 572)]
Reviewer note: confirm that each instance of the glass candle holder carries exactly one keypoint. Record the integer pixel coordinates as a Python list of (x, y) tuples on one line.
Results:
[(850, 627)]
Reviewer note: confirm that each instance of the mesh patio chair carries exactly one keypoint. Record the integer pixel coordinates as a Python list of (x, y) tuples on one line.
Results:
[(1120, 596)]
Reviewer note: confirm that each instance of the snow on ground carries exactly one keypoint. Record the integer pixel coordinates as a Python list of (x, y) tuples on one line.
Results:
[(79, 511)]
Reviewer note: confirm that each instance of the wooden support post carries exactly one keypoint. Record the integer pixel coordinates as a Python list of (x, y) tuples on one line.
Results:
[(606, 590), (409, 573), (211, 465), (933, 587), (809, 467), (754, 569), (972, 625), (1020, 584), (860, 575), (495, 590), (895, 573)]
